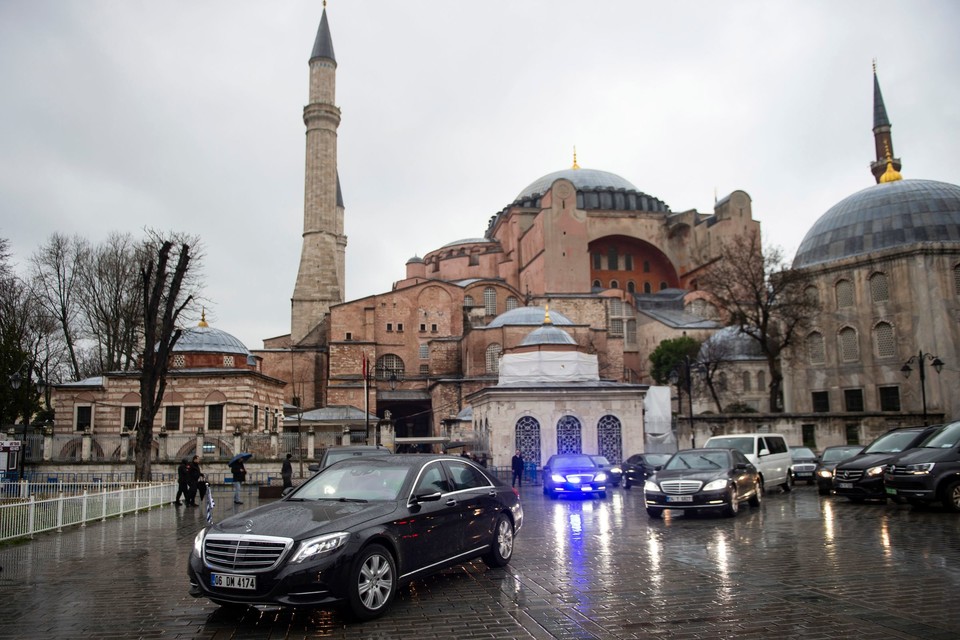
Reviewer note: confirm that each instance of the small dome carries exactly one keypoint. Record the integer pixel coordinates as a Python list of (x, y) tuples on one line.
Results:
[(547, 334), (527, 315), (415, 260), (208, 340), (883, 216), (730, 343)]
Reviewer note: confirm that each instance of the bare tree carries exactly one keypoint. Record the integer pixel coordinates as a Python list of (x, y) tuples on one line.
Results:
[(56, 271), (765, 299), (162, 305), (715, 357)]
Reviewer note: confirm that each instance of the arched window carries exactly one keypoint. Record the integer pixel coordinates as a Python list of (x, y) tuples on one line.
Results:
[(812, 294), (609, 439), (490, 301), (761, 380), (646, 288), (646, 266), (614, 284), (493, 358), (849, 346), (389, 365), (879, 291), (883, 340), (631, 286), (745, 377), (569, 435), (597, 285), (512, 302), (722, 381), (844, 294), (663, 285), (468, 301), (528, 439), (816, 352)]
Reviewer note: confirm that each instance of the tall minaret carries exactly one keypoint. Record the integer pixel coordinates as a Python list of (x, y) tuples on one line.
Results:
[(882, 139), (320, 278)]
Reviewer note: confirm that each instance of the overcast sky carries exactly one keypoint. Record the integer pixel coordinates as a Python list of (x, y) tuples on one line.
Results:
[(187, 116)]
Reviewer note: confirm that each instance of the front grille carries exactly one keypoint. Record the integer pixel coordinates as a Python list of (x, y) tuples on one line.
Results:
[(680, 486), (800, 468), (246, 553), (580, 478), (848, 474)]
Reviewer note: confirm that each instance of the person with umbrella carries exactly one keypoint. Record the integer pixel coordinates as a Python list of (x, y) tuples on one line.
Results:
[(239, 474)]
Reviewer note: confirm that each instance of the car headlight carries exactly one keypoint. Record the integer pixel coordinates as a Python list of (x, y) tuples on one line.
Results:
[(616, 470), (198, 543), (825, 473), (715, 485), (320, 545), (650, 486), (875, 471), (556, 477), (600, 477), (920, 469)]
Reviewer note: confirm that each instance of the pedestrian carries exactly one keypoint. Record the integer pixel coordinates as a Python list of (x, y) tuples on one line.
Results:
[(286, 471), (464, 454), (196, 483), (516, 464), (239, 475), (183, 489)]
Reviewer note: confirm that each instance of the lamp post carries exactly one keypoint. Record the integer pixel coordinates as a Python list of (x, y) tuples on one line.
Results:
[(919, 359), (16, 381), (687, 367)]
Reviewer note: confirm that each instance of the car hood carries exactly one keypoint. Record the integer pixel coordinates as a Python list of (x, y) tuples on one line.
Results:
[(298, 520), (867, 461), (929, 454), (703, 475)]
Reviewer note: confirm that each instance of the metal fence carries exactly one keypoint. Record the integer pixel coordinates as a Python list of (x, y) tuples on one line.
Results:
[(22, 514)]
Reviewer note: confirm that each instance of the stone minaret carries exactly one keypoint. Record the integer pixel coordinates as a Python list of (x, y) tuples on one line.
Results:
[(883, 140), (320, 278)]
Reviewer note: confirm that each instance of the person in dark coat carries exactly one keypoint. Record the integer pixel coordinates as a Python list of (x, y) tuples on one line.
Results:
[(239, 475), (183, 481), (286, 471), (516, 465), (196, 483)]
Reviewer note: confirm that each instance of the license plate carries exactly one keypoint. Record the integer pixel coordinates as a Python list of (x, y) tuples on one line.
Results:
[(891, 491), (679, 498), (229, 581), (844, 485), (586, 487)]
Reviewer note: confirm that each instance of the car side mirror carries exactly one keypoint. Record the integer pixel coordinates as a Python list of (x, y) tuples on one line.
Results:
[(764, 452), (658, 467), (426, 497), (741, 466), (287, 491), (313, 468)]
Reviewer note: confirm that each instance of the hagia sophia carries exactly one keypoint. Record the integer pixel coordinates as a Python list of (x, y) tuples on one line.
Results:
[(536, 333)]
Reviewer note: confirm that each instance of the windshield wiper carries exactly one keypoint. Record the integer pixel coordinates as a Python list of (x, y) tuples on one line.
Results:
[(710, 461)]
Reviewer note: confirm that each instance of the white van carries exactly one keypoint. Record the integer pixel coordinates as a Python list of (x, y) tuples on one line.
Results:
[(767, 451)]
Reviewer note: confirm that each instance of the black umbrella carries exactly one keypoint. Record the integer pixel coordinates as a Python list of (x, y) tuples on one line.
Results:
[(240, 457)]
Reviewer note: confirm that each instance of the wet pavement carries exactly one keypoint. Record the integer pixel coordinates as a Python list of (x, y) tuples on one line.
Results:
[(800, 566)]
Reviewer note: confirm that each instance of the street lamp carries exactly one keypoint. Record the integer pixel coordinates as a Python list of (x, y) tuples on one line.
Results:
[(919, 359), (16, 381), (675, 374)]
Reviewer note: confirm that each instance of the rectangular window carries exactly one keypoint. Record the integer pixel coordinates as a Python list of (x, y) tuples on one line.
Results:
[(349, 336), (853, 399), (628, 262), (171, 418), (131, 416), (256, 415), (889, 398), (433, 328), (598, 264), (389, 327), (424, 369), (215, 417), (853, 433), (809, 432), (399, 327), (821, 401), (423, 327), (84, 417), (424, 351)]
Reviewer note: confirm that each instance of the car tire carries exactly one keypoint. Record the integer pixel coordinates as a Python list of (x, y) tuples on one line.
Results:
[(373, 583), (788, 485), (950, 496), (733, 507), (655, 512), (757, 498), (501, 549)]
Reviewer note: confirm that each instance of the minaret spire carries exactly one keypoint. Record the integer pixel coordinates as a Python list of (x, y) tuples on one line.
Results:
[(883, 141)]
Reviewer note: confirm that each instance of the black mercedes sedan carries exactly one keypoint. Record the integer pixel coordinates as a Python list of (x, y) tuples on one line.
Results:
[(718, 479), (355, 532), (641, 466), (574, 474)]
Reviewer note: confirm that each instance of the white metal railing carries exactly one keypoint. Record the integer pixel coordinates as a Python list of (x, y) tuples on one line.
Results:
[(24, 517)]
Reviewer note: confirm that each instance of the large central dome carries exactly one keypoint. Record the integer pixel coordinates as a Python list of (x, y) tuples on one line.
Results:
[(595, 190), (581, 179), (883, 216)]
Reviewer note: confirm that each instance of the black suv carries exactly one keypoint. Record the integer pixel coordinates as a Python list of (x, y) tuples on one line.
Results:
[(861, 477), (929, 473)]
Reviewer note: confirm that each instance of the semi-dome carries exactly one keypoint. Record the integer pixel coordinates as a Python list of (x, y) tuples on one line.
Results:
[(547, 334), (527, 315), (730, 343), (883, 216), (208, 340)]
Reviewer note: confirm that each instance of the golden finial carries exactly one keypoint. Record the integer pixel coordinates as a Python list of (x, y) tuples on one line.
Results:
[(891, 174), (546, 314), (575, 165), (324, 4), (874, 66), (203, 318)]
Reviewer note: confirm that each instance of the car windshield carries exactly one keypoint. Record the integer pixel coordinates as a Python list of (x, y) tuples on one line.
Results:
[(351, 482), (891, 442), (945, 438), (802, 453), (699, 460), (657, 458), (572, 462), (337, 456), (835, 454), (601, 461), (745, 445)]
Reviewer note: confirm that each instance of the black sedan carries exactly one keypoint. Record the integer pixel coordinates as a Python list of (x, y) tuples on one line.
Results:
[(614, 472), (641, 466), (704, 479), (573, 474), (355, 532), (803, 465), (831, 457)]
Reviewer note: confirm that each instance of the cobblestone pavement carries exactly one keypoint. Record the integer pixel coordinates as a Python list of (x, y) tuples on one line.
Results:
[(801, 566)]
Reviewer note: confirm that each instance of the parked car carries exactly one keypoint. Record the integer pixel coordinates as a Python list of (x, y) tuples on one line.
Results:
[(804, 463), (929, 473), (573, 473), (718, 479), (355, 532), (829, 460), (614, 472), (640, 466), (861, 477), (767, 451), (336, 454)]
